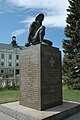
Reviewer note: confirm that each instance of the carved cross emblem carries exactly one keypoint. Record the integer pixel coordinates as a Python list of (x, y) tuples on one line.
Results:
[(52, 62)]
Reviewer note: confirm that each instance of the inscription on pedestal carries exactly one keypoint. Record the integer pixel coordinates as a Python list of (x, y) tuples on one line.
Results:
[(30, 63), (51, 77)]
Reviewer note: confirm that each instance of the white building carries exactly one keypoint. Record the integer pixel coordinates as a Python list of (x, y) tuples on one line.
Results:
[(9, 60)]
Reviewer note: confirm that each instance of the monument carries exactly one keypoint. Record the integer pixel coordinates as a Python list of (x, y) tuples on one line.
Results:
[(40, 70), (40, 81)]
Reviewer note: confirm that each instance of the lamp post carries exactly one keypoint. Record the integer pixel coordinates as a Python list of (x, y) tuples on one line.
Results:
[(15, 46)]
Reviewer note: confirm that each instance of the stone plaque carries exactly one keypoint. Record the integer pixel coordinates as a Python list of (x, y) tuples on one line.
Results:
[(30, 77), (40, 77), (51, 84)]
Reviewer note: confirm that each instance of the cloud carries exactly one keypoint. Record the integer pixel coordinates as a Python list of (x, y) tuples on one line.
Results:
[(55, 21), (18, 32), (62, 53), (5, 7), (49, 21), (28, 21), (49, 4), (55, 11)]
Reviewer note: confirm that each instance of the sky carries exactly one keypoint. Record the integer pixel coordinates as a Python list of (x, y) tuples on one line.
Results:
[(17, 15)]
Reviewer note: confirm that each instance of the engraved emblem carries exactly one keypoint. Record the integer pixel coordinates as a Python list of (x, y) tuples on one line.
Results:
[(52, 62)]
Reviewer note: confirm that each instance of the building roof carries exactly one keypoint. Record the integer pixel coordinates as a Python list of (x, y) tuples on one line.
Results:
[(5, 46), (8, 46)]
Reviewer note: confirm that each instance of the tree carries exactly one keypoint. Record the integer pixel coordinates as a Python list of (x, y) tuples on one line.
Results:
[(71, 46)]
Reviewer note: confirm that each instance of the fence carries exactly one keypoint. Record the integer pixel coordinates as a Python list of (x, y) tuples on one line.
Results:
[(8, 82)]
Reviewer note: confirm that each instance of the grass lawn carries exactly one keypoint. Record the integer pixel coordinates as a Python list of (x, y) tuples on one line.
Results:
[(9, 95), (71, 95), (13, 95)]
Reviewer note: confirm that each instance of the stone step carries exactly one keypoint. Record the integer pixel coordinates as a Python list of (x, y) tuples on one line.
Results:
[(24, 113), (4, 116)]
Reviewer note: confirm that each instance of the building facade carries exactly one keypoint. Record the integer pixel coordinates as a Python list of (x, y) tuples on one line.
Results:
[(9, 60)]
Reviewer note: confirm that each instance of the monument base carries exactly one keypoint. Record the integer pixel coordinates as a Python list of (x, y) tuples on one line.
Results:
[(25, 113), (40, 77)]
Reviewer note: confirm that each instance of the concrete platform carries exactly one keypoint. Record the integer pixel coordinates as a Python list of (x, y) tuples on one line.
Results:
[(4, 116), (24, 113)]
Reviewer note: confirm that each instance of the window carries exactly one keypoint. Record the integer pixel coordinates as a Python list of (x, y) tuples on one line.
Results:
[(2, 56), (17, 64), (2, 71), (2, 63), (17, 57), (10, 64), (10, 71), (17, 71), (10, 56)]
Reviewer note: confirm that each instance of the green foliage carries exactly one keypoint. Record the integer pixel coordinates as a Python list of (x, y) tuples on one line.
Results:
[(71, 46), (8, 95), (13, 95), (71, 95)]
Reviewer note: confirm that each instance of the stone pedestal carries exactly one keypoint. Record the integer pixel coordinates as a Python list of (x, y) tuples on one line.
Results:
[(40, 77)]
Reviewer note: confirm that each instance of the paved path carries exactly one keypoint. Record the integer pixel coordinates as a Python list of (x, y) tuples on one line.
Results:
[(7, 117), (74, 117)]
